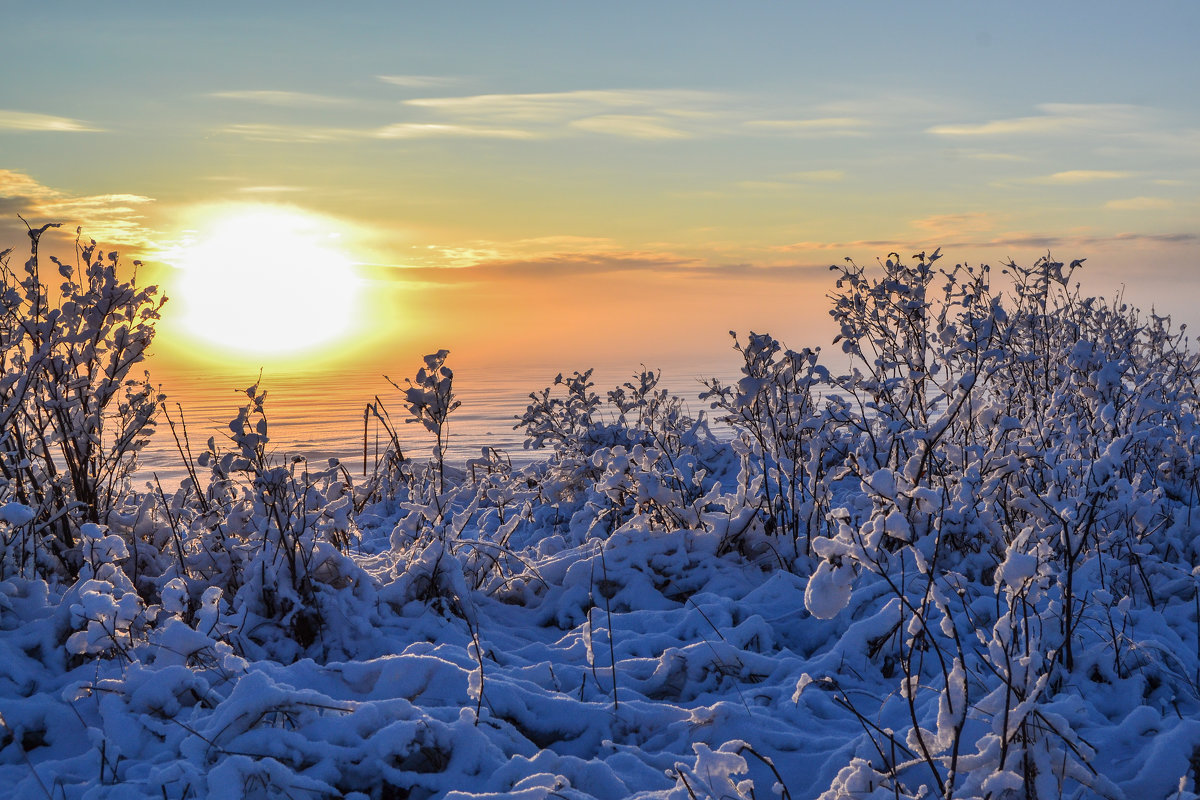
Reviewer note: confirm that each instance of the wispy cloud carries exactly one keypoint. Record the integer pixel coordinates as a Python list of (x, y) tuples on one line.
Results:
[(577, 244), (1077, 241), (418, 81), (1074, 177), (637, 114), (14, 183), (1140, 204), (1008, 127), (644, 114), (93, 205), (427, 130), (813, 127), (290, 134), (467, 254), (489, 266), (1011, 239), (880, 245), (29, 121), (313, 134), (547, 107), (573, 265), (1054, 119), (112, 218), (271, 97), (955, 224), (785, 272), (557, 258), (630, 126), (576, 264), (630, 114)]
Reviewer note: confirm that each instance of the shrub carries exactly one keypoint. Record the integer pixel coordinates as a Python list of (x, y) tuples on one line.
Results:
[(72, 419), (1027, 446), (430, 402)]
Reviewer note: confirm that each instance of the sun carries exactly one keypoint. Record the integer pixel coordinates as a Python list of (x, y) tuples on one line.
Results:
[(266, 280)]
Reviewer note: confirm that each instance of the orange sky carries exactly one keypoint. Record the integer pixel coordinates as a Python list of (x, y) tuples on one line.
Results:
[(539, 183)]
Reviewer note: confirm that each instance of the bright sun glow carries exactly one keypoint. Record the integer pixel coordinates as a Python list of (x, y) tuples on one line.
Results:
[(267, 280)]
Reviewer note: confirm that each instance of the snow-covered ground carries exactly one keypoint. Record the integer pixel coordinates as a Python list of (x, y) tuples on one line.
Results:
[(708, 652)]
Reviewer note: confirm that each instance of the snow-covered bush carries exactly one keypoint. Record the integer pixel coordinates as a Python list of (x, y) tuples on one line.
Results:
[(635, 455), (273, 533), (431, 400), (72, 417), (785, 439), (435, 508), (565, 422), (1011, 452)]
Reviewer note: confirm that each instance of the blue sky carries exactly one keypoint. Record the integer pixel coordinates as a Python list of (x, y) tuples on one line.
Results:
[(483, 159)]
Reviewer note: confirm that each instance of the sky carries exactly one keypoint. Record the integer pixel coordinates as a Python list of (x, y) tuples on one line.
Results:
[(565, 182)]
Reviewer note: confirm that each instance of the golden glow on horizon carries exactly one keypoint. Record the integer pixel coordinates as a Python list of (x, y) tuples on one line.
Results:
[(261, 280)]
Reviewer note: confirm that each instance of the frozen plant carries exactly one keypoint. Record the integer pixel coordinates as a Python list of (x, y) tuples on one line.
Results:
[(271, 533), (566, 422), (1008, 451), (72, 417), (431, 400), (776, 409)]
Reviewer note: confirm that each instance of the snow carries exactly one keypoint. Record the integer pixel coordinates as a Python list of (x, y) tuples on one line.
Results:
[(704, 648), (1017, 568), (828, 590), (16, 514), (977, 590), (655, 681)]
